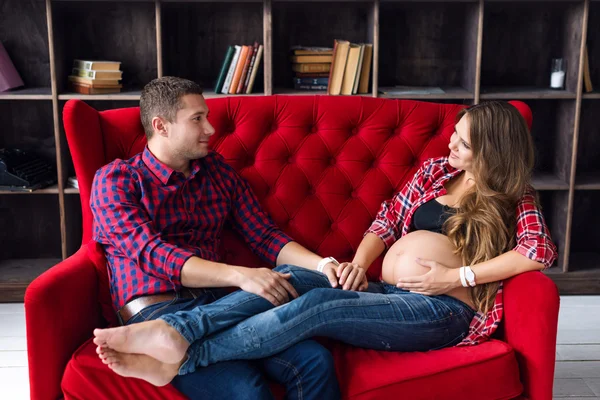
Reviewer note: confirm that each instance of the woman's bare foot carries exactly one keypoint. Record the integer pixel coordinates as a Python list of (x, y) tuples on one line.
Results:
[(139, 366), (154, 338)]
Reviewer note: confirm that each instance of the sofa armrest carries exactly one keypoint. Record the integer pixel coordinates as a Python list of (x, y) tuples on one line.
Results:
[(531, 304), (61, 311)]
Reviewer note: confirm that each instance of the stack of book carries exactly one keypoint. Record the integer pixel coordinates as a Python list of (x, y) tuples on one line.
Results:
[(239, 69), (311, 66), (350, 69), (95, 77)]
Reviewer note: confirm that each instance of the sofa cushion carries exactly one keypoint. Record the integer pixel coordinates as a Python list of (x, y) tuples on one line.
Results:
[(87, 378), (440, 374)]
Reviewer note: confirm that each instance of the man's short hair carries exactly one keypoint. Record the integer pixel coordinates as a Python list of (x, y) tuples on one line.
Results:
[(162, 98)]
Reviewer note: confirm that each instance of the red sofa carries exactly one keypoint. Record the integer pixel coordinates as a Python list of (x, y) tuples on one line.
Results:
[(321, 166)]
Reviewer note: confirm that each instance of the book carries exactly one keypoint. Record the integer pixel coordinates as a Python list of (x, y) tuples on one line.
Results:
[(365, 72), (252, 62), (310, 87), (246, 68), (586, 72), (224, 68), (255, 69), (97, 65), (85, 89), (229, 77), (93, 82), (303, 50), (308, 68), (312, 74), (358, 69), (312, 59), (237, 74), (336, 74), (311, 81), (9, 77), (95, 74)]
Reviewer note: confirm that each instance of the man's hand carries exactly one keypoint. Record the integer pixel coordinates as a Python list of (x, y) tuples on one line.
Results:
[(271, 285), (352, 276)]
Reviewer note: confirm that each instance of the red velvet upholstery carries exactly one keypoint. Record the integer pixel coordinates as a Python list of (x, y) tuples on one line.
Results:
[(321, 167)]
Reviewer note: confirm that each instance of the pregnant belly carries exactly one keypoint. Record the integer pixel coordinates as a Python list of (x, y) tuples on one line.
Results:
[(400, 260)]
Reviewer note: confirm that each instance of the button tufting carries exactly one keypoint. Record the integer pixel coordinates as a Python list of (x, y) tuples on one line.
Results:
[(354, 131), (313, 129), (332, 161), (354, 194)]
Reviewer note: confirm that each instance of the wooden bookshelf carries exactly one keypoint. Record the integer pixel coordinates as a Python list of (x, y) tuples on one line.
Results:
[(474, 50)]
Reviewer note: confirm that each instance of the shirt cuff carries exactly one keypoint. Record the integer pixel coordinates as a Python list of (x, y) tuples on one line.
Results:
[(174, 263), (529, 249), (381, 231), (278, 241)]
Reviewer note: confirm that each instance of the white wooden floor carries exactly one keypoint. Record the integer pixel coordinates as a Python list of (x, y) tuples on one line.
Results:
[(577, 366)]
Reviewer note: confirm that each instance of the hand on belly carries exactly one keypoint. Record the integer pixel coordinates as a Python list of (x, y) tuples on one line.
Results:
[(400, 260)]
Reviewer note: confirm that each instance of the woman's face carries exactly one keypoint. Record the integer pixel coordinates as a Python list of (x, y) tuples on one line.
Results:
[(461, 155)]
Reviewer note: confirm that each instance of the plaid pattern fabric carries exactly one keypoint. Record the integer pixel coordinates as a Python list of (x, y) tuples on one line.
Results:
[(151, 219), (395, 216)]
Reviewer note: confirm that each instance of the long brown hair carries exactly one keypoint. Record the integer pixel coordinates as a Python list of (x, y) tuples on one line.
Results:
[(485, 223)]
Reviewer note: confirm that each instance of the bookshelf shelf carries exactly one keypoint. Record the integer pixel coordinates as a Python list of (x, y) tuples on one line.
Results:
[(474, 50), (123, 95), (42, 93), (525, 93)]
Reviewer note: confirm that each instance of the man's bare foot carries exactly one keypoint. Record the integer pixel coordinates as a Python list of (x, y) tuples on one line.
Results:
[(154, 338), (139, 366)]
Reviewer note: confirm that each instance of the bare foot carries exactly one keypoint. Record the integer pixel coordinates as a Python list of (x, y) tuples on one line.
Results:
[(140, 366), (154, 338)]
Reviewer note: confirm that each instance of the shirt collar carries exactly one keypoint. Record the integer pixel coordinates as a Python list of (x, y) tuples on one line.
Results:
[(162, 171), (449, 173)]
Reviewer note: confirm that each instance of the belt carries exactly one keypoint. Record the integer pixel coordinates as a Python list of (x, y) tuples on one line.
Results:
[(139, 303)]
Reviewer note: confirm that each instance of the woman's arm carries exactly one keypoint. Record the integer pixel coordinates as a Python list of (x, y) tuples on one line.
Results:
[(369, 249)]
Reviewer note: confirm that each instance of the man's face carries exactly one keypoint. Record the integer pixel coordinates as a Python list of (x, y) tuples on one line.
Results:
[(189, 133)]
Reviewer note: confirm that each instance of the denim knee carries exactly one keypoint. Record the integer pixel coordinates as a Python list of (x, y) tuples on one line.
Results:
[(284, 268)]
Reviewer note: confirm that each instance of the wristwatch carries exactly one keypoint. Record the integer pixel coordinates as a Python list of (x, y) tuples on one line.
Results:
[(326, 261), (467, 276)]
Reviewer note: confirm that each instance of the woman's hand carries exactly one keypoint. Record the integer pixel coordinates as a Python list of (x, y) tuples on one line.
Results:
[(352, 276), (439, 280)]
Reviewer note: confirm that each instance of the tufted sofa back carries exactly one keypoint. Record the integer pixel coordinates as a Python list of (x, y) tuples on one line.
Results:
[(320, 165)]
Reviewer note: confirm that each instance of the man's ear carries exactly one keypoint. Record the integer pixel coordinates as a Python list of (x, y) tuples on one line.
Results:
[(159, 125)]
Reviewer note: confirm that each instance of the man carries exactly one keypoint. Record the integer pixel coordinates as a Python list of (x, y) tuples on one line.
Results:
[(159, 217)]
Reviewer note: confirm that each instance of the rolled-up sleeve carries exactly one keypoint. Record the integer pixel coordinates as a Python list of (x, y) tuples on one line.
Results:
[(533, 236), (120, 220)]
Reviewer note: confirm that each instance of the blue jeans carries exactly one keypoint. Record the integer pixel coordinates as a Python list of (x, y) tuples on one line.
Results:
[(383, 318), (238, 380)]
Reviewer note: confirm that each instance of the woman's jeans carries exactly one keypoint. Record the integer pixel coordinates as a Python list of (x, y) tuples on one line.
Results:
[(245, 326), (305, 369)]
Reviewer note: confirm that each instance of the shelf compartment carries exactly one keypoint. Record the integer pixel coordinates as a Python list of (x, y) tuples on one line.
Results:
[(109, 30), (126, 94), (17, 274), (521, 38), (588, 162), (295, 24), (546, 181), (24, 35), (429, 44), (554, 205), (585, 253), (196, 37), (524, 93)]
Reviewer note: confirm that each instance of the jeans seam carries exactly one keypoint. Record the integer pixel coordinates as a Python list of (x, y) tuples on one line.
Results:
[(153, 313), (293, 368)]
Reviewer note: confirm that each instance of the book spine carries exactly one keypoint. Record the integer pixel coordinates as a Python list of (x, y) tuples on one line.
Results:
[(238, 69), (310, 87), (255, 69), (335, 46), (224, 69), (311, 81), (252, 62), (245, 70), (234, 60)]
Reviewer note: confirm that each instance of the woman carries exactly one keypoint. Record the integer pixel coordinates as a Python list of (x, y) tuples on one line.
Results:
[(462, 225)]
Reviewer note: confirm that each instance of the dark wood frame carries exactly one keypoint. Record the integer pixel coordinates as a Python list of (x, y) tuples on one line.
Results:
[(461, 45)]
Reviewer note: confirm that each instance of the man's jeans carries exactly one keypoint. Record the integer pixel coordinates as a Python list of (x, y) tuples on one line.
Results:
[(305, 369), (383, 318)]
